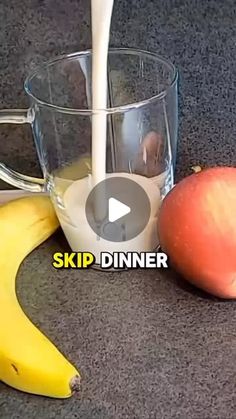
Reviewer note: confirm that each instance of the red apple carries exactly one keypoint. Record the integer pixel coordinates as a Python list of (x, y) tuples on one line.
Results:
[(197, 230)]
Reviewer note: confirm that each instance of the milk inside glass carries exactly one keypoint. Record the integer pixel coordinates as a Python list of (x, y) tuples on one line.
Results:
[(72, 217)]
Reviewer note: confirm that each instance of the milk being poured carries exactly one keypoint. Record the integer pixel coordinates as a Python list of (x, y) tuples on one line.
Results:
[(101, 22), (73, 219)]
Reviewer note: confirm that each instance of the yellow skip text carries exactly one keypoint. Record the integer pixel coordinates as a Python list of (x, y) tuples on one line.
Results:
[(75, 260)]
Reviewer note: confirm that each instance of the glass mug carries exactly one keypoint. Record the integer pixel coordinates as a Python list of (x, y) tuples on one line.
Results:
[(142, 124)]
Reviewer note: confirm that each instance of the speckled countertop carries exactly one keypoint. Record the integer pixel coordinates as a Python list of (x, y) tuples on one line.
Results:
[(148, 345)]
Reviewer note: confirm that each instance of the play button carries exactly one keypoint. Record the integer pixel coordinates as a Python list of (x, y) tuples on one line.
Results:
[(118, 208)]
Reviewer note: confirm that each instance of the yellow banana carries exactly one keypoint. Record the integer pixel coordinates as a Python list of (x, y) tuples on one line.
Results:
[(28, 360)]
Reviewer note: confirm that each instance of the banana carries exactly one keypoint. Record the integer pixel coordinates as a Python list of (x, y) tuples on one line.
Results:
[(28, 360)]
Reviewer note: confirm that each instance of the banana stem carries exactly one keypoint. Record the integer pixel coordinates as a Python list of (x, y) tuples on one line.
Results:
[(75, 384)]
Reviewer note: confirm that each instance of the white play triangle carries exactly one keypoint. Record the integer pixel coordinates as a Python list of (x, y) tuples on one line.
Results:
[(117, 210)]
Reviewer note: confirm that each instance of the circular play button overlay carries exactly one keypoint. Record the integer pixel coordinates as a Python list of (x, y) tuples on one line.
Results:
[(118, 209)]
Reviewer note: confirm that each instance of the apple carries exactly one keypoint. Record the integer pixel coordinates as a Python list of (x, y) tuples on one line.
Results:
[(197, 230)]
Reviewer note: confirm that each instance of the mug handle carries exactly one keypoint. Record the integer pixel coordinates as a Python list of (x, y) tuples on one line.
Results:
[(28, 183)]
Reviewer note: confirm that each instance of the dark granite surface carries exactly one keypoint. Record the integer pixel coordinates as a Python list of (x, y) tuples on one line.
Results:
[(147, 345)]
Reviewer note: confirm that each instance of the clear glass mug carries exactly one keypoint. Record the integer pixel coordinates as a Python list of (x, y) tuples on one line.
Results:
[(142, 122)]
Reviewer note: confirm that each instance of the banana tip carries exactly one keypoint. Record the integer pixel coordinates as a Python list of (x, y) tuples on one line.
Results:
[(75, 384)]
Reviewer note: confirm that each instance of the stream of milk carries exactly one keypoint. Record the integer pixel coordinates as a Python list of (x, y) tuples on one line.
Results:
[(73, 219), (101, 22)]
